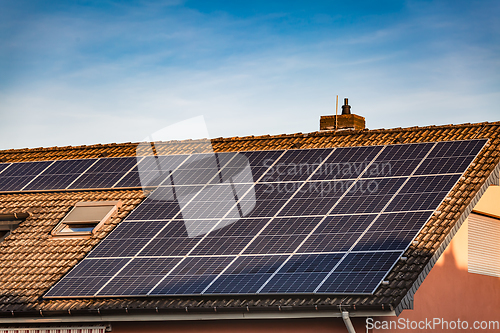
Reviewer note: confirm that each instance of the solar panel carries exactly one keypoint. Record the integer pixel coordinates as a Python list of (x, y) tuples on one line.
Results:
[(104, 173), (59, 175), (151, 170), (3, 166), (18, 175), (275, 222)]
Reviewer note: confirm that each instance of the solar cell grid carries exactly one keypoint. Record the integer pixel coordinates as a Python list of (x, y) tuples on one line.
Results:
[(173, 246), (432, 166), (329, 242), (346, 163), (293, 283), (137, 229), (344, 224), (225, 245), (3, 166), (274, 244), (386, 240), (88, 277), (248, 273), (302, 273), (79, 286), (241, 227), (405, 152), (126, 247), (192, 275), (14, 183), (130, 285), (401, 221), (151, 170), (23, 169), (427, 184), (104, 173), (291, 226), (351, 282), (292, 235), (418, 201), (155, 210), (113, 164), (368, 261), (458, 148), (296, 165), (50, 182), (368, 196), (66, 167)]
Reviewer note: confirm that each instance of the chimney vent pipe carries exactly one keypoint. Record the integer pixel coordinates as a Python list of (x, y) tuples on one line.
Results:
[(346, 108)]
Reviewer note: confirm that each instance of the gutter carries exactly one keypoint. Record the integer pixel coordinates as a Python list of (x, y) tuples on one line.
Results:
[(126, 316), (13, 216)]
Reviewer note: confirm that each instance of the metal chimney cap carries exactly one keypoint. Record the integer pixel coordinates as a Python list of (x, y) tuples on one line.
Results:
[(346, 108)]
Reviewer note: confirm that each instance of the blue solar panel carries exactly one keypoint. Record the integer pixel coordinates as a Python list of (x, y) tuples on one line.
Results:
[(287, 168), (398, 160), (26, 169), (151, 170), (440, 165), (105, 173), (14, 183), (423, 193), (346, 163), (18, 175), (359, 273), (89, 276), (302, 273), (246, 274), (458, 148), (59, 175), (3, 166), (192, 275), (278, 222), (139, 276)]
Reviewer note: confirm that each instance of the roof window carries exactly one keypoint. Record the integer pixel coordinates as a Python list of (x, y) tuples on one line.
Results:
[(85, 219)]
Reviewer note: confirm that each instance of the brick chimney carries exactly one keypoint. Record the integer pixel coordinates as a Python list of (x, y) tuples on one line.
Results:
[(346, 121)]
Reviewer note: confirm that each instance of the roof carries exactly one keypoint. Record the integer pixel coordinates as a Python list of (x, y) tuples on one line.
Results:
[(31, 262)]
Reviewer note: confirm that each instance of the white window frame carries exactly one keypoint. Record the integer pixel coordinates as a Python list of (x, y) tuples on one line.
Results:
[(57, 231), (484, 245)]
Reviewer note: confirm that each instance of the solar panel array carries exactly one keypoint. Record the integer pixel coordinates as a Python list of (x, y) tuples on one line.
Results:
[(118, 172), (306, 221)]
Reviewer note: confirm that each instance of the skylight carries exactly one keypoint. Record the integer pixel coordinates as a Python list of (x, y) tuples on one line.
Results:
[(86, 218)]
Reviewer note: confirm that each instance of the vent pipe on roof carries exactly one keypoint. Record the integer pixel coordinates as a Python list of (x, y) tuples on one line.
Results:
[(346, 108)]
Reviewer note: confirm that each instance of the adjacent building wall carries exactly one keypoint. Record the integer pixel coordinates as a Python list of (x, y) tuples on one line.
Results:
[(450, 293)]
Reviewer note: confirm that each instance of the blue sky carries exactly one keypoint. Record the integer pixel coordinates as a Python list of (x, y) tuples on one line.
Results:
[(86, 72)]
